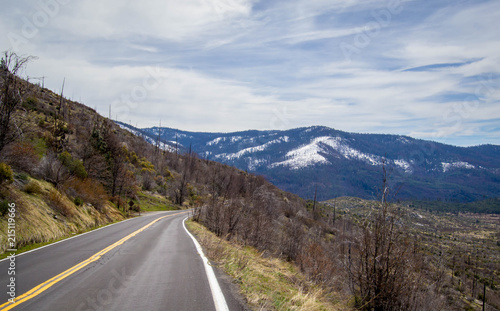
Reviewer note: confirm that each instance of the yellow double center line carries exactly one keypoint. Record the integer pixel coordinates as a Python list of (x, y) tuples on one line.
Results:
[(47, 284)]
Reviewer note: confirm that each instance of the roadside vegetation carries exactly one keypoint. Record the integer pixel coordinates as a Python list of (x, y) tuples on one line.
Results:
[(266, 282), (44, 214)]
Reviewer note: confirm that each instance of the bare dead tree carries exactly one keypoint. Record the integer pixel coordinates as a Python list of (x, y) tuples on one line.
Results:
[(291, 239), (314, 207), (59, 129), (117, 164), (384, 273), (11, 94), (52, 170), (188, 169)]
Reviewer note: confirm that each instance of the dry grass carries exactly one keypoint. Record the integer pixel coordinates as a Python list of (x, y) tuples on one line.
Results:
[(266, 282), (48, 215), (90, 191), (32, 187), (60, 203)]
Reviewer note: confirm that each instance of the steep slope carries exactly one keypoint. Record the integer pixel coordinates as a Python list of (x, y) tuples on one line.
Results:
[(57, 181), (340, 163)]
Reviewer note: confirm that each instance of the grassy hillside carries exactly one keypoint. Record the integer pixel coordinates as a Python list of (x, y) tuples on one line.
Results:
[(44, 214)]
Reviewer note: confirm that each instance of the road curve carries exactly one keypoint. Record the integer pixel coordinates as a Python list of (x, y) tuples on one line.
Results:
[(126, 266)]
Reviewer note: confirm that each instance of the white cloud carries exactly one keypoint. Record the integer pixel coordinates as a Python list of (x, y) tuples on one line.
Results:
[(169, 20)]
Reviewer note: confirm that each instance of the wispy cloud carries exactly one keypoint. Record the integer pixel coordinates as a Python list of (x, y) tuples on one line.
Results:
[(431, 71)]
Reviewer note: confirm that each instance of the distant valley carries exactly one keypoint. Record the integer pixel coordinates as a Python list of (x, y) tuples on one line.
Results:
[(338, 163)]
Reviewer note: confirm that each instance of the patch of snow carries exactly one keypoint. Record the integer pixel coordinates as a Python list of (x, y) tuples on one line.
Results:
[(150, 140), (215, 141), (130, 129), (167, 147), (239, 154), (162, 145), (348, 152), (404, 165), (284, 139), (459, 164), (310, 154), (235, 138), (404, 140), (250, 140), (254, 163), (334, 142), (351, 153), (307, 155)]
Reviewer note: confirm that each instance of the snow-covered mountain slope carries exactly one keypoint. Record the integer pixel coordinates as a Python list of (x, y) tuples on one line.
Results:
[(340, 163)]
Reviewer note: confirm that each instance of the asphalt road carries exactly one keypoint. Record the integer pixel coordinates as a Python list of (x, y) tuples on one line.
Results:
[(158, 268)]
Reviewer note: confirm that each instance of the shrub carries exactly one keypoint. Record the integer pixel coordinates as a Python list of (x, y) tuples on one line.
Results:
[(147, 181), (40, 146), (146, 165), (22, 177), (22, 156), (30, 103), (4, 207), (52, 170), (133, 158), (65, 158), (78, 201), (32, 188), (78, 169), (87, 190), (56, 201), (119, 202), (74, 166), (6, 175), (135, 208)]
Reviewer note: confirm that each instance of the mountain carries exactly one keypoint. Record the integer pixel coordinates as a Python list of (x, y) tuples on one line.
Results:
[(338, 163)]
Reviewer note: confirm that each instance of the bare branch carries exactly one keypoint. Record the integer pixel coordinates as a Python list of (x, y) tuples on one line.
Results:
[(11, 94)]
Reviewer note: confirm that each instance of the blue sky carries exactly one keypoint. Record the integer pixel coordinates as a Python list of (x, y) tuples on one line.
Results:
[(427, 69)]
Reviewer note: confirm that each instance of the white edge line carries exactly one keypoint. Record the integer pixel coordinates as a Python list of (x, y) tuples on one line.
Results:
[(75, 236), (218, 296)]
